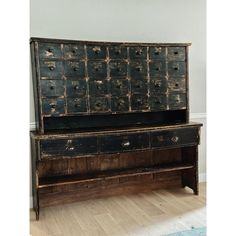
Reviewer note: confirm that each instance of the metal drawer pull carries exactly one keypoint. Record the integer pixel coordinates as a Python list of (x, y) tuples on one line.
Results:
[(138, 52), (176, 68), (73, 51), (51, 68), (52, 87), (75, 68), (176, 53), (118, 69), (118, 52), (175, 139), (53, 105), (158, 68), (76, 87), (139, 68), (50, 50), (96, 50), (125, 143)]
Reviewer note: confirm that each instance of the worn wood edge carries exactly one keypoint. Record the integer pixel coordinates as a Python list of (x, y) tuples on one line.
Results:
[(54, 40), (117, 131)]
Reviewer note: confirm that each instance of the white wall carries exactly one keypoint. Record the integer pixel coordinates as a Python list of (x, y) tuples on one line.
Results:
[(136, 21)]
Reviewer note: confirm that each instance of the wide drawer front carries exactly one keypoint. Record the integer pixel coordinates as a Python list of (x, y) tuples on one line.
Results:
[(122, 143), (174, 137), (68, 147)]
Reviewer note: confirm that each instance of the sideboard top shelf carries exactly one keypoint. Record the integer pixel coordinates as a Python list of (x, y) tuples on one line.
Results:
[(52, 40)]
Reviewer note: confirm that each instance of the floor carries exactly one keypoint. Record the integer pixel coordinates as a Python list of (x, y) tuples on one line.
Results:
[(155, 213)]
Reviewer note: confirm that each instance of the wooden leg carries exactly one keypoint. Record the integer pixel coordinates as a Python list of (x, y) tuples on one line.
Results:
[(37, 215)]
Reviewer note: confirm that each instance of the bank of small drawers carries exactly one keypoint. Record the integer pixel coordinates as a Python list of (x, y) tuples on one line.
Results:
[(117, 142), (88, 79)]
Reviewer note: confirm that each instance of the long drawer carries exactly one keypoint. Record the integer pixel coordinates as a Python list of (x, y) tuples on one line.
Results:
[(68, 147), (178, 137)]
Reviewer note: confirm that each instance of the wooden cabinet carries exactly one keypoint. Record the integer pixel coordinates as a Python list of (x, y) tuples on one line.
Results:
[(111, 118)]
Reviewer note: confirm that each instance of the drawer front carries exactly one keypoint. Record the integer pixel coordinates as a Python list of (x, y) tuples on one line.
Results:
[(138, 52), (51, 69), (99, 104), (157, 53), (75, 69), (97, 69), (68, 147), (177, 101), (157, 68), (177, 85), (119, 104), (139, 86), (139, 103), (75, 88), (96, 52), (138, 69), (53, 107), (176, 53), (118, 68), (52, 88), (117, 52), (122, 143), (76, 105), (157, 86), (98, 87), (158, 103), (119, 86), (50, 50), (176, 69), (174, 138), (73, 51)]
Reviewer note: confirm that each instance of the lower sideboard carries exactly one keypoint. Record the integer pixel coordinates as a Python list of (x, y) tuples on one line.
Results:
[(68, 167)]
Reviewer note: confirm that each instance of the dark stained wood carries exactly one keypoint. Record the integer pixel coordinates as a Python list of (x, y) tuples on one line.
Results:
[(111, 118)]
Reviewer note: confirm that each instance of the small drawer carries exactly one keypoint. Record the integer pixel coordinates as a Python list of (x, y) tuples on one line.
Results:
[(52, 88), (98, 87), (157, 53), (99, 104), (97, 69), (139, 86), (96, 52), (119, 86), (123, 143), (76, 105), (50, 51), (117, 52), (177, 85), (51, 69), (53, 107), (138, 68), (157, 68), (119, 104), (68, 147), (176, 53), (177, 101), (75, 69), (176, 69), (73, 51), (138, 53), (175, 138), (158, 103), (139, 103), (118, 68), (75, 88), (158, 86)]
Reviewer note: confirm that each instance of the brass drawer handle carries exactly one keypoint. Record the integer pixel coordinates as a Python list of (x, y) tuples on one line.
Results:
[(125, 143), (175, 139)]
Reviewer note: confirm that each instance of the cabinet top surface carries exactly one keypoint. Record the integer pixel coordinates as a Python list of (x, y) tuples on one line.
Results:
[(65, 134), (36, 39)]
